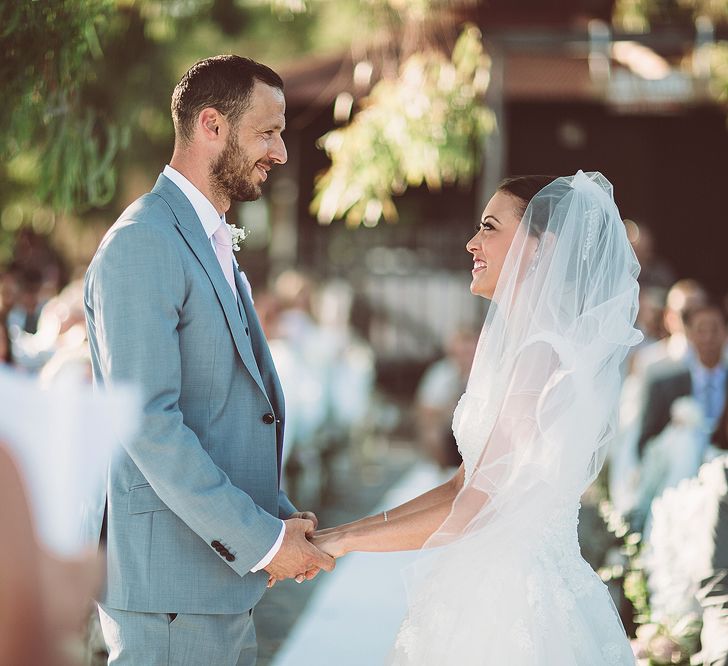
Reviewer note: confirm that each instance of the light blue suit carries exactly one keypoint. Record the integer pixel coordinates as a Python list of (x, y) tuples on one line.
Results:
[(194, 502)]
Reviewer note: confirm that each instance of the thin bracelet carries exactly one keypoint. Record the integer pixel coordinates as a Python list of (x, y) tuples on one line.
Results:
[(384, 513)]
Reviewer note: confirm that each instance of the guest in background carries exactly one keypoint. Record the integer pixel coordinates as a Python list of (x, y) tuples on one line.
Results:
[(651, 315), (61, 333), (719, 438), (437, 395), (654, 271), (8, 290), (703, 377), (6, 347), (26, 311), (664, 357), (683, 296)]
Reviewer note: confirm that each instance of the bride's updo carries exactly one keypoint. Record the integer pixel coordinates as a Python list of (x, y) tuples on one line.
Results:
[(523, 189)]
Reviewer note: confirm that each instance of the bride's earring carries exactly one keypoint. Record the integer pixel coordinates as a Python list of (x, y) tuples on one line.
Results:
[(534, 259)]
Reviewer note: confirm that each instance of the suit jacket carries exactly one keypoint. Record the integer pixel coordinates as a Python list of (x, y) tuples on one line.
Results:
[(193, 502), (661, 390)]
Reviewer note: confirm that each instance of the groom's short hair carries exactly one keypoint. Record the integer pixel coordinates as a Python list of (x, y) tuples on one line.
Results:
[(222, 82)]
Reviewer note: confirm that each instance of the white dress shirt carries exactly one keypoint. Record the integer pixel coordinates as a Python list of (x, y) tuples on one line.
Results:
[(210, 220)]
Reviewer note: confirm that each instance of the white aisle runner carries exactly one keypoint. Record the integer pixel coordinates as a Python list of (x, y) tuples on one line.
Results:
[(353, 616)]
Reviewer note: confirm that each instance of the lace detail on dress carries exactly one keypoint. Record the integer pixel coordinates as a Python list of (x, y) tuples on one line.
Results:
[(472, 422), (559, 607)]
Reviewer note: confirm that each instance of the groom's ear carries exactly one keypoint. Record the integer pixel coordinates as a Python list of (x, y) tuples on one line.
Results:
[(209, 122)]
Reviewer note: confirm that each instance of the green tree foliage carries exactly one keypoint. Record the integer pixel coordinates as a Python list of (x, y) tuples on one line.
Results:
[(639, 15), (425, 126), (49, 49)]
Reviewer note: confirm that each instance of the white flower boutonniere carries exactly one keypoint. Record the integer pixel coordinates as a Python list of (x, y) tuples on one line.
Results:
[(239, 234)]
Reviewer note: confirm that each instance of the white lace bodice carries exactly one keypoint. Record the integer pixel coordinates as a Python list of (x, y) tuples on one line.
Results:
[(471, 423)]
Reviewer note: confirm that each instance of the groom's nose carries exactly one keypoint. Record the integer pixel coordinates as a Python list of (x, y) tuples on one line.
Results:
[(278, 153)]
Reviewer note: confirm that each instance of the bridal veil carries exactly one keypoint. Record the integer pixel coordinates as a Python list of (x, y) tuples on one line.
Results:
[(534, 426)]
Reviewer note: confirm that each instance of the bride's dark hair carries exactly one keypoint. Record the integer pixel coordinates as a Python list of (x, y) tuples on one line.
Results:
[(524, 188)]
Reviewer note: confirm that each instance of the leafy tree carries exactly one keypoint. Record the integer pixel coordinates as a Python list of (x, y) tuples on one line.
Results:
[(425, 126), (49, 49)]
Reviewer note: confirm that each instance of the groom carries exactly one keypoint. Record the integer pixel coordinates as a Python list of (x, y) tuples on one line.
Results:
[(196, 521)]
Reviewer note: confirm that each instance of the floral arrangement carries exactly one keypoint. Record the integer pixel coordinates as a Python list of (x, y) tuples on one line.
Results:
[(659, 644), (661, 576)]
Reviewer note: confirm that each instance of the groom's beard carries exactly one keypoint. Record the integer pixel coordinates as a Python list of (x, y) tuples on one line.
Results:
[(231, 173)]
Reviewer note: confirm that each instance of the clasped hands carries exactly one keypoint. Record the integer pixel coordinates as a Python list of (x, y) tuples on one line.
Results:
[(304, 551)]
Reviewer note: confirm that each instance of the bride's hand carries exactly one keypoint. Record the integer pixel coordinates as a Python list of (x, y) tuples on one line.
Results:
[(331, 541)]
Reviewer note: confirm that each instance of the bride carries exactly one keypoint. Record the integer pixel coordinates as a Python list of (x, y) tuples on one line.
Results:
[(500, 579)]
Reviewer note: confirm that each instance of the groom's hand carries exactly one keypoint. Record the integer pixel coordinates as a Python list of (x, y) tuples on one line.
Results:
[(297, 554), (306, 515)]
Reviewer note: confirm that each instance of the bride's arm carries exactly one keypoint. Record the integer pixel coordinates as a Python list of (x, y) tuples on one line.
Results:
[(407, 527)]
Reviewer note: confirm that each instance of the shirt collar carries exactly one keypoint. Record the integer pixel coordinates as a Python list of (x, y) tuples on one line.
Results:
[(701, 373), (203, 207)]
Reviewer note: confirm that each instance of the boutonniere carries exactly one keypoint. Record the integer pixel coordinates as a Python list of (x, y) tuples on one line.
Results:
[(239, 234)]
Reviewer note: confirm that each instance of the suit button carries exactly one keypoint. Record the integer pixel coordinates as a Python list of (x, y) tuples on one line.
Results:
[(269, 419), (247, 332), (216, 544), (230, 557)]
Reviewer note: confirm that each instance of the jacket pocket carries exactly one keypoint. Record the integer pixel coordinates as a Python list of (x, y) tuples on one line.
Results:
[(143, 499)]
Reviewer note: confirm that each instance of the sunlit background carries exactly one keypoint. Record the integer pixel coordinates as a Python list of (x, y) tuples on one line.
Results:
[(402, 118)]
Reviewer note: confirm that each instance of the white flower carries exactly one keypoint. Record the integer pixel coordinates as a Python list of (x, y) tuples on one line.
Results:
[(239, 234)]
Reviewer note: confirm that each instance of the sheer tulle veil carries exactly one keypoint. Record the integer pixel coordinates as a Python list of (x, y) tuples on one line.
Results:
[(543, 390)]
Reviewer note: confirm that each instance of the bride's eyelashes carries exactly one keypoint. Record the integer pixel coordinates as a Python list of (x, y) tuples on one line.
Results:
[(483, 226)]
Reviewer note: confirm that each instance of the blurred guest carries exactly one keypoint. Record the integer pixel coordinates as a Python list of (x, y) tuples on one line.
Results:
[(350, 380), (651, 314), (26, 311), (654, 271), (312, 356), (675, 454), (295, 292), (8, 290), (719, 437), (437, 395), (6, 347), (650, 321), (61, 331), (665, 356), (683, 295), (703, 377)]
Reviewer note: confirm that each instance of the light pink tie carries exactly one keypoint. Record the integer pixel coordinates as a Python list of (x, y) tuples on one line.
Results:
[(223, 240)]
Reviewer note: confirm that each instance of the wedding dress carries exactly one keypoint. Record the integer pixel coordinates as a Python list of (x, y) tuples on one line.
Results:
[(502, 582)]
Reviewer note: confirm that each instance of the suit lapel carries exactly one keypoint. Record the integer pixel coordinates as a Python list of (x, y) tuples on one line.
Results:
[(194, 235), (261, 349), (684, 382)]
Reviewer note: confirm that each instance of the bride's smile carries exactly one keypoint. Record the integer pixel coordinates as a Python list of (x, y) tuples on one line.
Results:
[(491, 242)]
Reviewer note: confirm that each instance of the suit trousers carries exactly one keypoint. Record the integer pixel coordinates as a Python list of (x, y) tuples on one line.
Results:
[(166, 639)]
